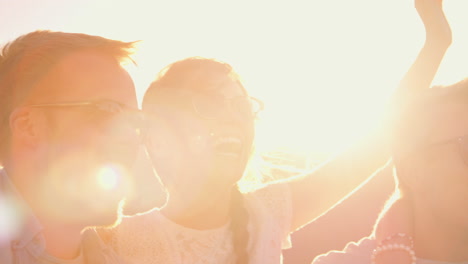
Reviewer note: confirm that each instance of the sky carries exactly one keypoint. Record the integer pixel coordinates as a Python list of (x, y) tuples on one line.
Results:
[(323, 68)]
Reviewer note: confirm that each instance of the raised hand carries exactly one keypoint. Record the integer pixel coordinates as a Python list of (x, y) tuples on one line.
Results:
[(432, 15), (424, 68)]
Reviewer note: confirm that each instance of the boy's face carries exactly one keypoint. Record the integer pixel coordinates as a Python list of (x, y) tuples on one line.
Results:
[(88, 151)]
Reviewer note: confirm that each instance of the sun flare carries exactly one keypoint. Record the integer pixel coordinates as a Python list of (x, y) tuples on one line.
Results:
[(109, 178)]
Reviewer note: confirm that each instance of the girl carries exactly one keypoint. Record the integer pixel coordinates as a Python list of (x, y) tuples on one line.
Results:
[(201, 134)]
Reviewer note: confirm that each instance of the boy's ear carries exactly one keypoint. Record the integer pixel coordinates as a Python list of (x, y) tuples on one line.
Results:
[(24, 125)]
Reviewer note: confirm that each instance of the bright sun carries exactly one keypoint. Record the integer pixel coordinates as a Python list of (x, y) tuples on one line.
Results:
[(324, 82), (323, 68)]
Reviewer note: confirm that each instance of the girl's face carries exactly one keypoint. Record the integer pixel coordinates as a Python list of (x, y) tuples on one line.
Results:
[(201, 138)]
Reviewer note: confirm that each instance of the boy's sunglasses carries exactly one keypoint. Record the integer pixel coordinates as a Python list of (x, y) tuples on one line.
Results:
[(108, 109)]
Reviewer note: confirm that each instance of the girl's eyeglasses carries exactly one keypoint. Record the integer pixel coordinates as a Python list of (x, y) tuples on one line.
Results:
[(214, 106)]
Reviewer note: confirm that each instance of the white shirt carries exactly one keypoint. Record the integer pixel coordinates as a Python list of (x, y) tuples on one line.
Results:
[(153, 238)]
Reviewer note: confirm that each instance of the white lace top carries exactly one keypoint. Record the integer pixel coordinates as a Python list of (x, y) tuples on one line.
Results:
[(152, 238)]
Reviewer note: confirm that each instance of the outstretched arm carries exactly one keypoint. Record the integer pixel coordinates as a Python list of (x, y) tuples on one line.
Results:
[(316, 192)]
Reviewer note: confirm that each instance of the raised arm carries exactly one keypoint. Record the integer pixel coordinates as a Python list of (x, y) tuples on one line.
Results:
[(438, 38), (316, 192), (398, 217)]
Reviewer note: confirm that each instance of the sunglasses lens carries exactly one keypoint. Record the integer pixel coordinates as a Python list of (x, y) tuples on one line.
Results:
[(110, 107), (130, 118), (215, 106), (209, 106)]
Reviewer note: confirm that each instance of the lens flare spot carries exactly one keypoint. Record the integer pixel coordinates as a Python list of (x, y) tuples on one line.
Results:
[(109, 178)]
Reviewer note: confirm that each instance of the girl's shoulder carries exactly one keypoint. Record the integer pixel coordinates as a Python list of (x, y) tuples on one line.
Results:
[(129, 226), (140, 218), (270, 214), (273, 199), (142, 238)]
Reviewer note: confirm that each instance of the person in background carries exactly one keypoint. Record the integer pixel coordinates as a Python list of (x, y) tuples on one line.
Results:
[(429, 153), (430, 165)]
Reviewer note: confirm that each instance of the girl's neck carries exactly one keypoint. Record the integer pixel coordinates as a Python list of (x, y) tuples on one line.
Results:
[(207, 212)]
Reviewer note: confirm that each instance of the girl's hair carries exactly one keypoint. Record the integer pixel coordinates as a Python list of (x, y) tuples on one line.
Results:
[(239, 221), (194, 73), (197, 73)]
